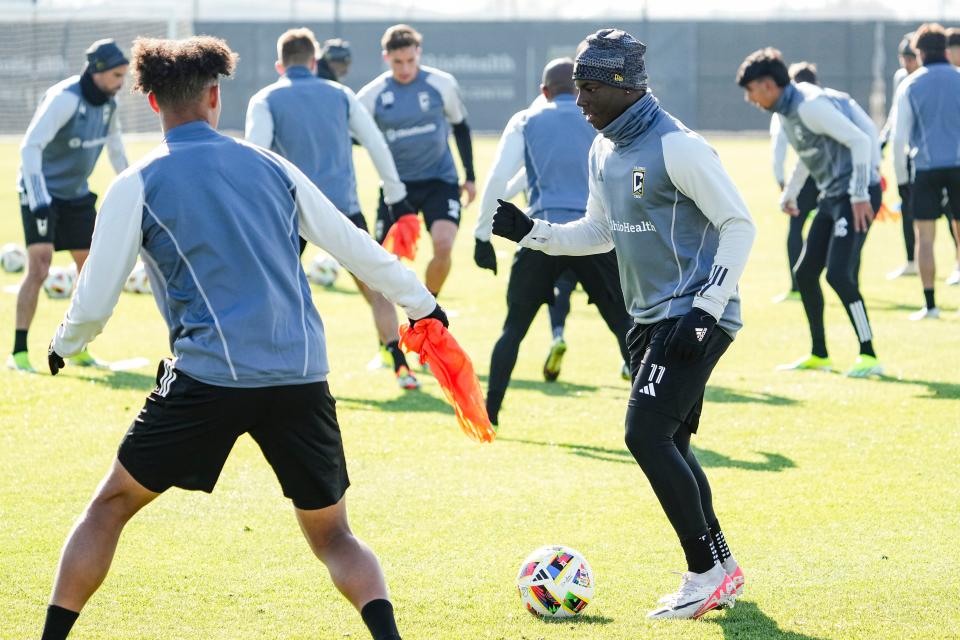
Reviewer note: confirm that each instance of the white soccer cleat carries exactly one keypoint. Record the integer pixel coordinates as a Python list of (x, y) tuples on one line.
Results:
[(698, 594), (926, 314), (908, 269), (954, 278)]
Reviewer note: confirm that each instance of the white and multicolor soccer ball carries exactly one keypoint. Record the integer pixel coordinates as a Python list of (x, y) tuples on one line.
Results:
[(323, 270), (555, 582), (60, 282), (13, 258), (137, 281)]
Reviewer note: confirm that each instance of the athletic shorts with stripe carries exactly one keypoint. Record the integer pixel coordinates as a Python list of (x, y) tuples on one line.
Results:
[(186, 429)]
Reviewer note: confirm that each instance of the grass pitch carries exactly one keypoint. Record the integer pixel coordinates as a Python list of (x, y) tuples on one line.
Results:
[(839, 497)]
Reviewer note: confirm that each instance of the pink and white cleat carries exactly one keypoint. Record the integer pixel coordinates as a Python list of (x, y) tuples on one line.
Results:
[(698, 594)]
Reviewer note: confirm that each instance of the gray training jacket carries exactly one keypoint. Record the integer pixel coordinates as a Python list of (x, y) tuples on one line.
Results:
[(661, 197)]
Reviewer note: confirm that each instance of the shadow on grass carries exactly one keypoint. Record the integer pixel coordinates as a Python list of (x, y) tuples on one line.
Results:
[(410, 401), (747, 622), (726, 395), (935, 390), (582, 620), (122, 380), (772, 462), (889, 305), (558, 388)]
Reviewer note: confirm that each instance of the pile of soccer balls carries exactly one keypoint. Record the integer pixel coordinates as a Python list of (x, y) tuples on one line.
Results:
[(555, 582), (323, 270)]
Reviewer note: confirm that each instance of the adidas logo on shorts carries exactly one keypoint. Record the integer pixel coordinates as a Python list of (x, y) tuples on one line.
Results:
[(701, 333)]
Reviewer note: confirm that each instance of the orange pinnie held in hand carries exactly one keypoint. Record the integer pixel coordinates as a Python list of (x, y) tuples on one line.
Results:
[(402, 238), (453, 369)]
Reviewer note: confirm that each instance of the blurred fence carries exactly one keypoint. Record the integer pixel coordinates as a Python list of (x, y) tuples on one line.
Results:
[(691, 64)]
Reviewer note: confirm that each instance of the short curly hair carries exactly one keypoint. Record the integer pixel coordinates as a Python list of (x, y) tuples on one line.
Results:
[(178, 71), (763, 63)]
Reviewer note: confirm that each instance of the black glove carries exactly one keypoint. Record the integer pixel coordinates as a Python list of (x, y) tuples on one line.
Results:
[(485, 256), (437, 314), (54, 361), (687, 341), (398, 209), (42, 212), (510, 222), (904, 191)]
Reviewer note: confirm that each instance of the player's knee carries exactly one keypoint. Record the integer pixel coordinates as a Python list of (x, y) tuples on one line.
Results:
[(841, 281), (38, 267), (327, 538), (111, 508), (640, 437), (805, 273), (443, 248)]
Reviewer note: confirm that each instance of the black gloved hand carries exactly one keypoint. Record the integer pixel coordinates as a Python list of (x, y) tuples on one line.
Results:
[(485, 256), (399, 209), (904, 191), (687, 341), (510, 222), (42, 212), (437, 314), (54, 361)]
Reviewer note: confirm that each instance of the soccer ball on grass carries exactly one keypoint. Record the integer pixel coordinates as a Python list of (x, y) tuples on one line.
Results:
[(323, 270), (555, 582)]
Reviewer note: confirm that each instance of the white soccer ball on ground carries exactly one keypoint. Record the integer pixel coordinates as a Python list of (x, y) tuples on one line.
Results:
[(60, 282), (555, 582), (137, 281), (323, 270), (13, 258)]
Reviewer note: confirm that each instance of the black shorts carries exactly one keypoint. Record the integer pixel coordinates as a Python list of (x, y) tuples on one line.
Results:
[(69, 225), (436, 199), (808, 197), (534, 275), (926, 194), (186, 429), (356, 218), (664, 386)]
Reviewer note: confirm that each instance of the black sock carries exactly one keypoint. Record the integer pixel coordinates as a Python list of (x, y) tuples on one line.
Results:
[(399, 359), (700, 552), (819, 348), (928, 297), (20, 340), (59, 622), (494, 400), (866, 349), (378, 616), (723, 551)]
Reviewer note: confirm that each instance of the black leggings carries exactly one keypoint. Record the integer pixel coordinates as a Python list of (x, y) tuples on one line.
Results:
[(806, 202), (560, 308), (833, 244)]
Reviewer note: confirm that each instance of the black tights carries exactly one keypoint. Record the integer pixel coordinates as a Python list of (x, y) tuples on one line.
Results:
[(661, 446)]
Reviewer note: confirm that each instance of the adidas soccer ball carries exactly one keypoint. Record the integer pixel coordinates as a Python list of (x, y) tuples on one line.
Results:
[(555, 582), (137, 281), (59, 282), (323, 270), (13, 258)]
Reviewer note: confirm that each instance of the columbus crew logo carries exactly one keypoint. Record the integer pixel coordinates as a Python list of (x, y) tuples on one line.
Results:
[(638, 176)]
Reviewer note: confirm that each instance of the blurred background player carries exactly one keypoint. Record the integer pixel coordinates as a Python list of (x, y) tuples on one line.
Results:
[(415, 107), (74, 121), (310, 122), (928, 124), (334, 61), (248, 357), (808, 196), (908, 64), (659, 194), (552, 140), (953, 56), (838, 145)]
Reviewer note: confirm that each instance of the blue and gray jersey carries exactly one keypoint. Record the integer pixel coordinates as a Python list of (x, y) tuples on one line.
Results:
[(928, 120), (822, 127), (415, 119), (551, 141), (217, 221), (310, 121), (63, 142), (661, 197)]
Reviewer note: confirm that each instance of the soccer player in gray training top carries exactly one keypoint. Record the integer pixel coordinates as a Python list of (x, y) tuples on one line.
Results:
[(415, 107), (837, 144), (74, 121), (659, 194), (310, 122), (808, 196), (217, 222), (554, 141), (928, 124)]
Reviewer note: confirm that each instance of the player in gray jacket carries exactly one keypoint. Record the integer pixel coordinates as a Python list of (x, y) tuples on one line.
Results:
[(661, 197)]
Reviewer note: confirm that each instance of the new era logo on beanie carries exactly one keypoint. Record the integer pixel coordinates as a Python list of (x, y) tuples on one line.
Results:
[(614, 57)]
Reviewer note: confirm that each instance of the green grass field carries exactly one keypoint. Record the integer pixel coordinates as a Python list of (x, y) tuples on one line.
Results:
[(839, 497)]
